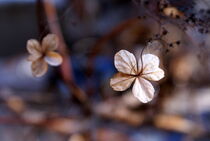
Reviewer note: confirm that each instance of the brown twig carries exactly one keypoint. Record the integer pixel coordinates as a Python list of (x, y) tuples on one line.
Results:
[(66, 68), (107, 37), (114, 32)]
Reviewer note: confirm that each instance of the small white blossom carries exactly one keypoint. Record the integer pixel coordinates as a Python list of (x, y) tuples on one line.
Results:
[(43, 54), (146, 70)]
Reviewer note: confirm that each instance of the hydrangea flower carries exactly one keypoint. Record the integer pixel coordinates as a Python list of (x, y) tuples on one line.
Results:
[(142, 73), (43, 54)]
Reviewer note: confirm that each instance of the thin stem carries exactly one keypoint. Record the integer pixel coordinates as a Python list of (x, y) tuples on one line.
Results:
[(66, 68)]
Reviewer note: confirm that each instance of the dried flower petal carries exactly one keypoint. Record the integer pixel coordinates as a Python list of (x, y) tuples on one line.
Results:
[(53, 58), (50, 42), (125, 62), (34, 47), (143, 90), (154, 75), (39, 67), (150, 63), (121, 82), (151, 70), (33, 57)]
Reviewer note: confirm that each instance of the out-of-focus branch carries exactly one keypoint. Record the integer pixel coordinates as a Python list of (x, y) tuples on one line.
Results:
[(70, 126), (113, 33), (113, 109), (66, 68), (177, 123), (62, 125), (107, 37)]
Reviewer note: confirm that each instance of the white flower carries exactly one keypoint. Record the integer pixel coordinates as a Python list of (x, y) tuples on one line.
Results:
[(130, 71), (43, 54)]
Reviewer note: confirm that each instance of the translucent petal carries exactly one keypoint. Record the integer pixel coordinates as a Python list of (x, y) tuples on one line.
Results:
[(121, 82), (33, 57), (151, 70), (150, 62), (53, 58), (33, 47), (154, 75), (125, 62), (50, 42), (143, 90), (39, 67)]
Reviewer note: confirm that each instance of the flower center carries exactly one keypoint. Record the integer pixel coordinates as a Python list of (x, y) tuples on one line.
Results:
[(137, 75)]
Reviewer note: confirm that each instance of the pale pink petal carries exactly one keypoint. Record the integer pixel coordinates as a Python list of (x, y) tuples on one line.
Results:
[(53, 58), (125, 62), (154, 75), (121, 82), (39, 68), (50, 42), (33, 47), (143, 90)]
